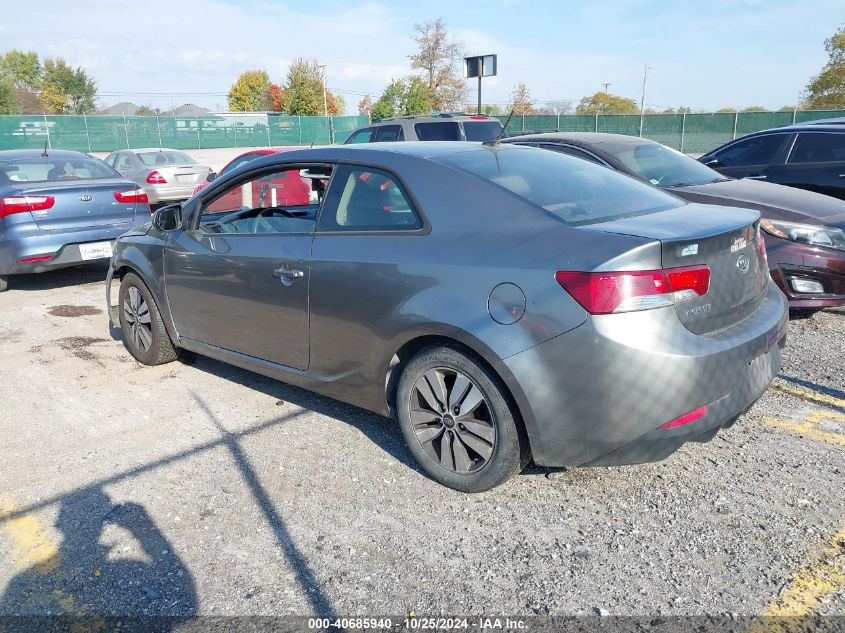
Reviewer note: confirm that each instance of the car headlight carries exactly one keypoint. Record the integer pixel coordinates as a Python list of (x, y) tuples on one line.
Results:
[(828, 236)]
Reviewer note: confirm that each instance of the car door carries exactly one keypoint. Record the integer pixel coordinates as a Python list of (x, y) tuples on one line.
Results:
[(753, 156), (816, 162), (238, 278)]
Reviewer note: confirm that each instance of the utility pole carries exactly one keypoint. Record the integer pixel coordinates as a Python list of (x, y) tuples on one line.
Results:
[(326, 104), (606, 86), (642, 101)]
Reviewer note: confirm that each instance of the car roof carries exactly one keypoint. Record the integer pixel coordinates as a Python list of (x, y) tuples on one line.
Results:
[(437, 118), (135, 150), (12, 154), (579, 138)]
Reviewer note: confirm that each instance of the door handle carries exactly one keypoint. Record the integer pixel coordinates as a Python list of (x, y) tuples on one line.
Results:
[(286, 272), (842, 175), (756, 177)]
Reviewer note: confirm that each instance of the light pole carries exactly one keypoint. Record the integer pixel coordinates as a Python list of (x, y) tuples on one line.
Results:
[(606, 86), (326, 104)]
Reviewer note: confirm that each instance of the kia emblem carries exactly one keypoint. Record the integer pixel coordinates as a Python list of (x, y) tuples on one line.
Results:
[(85, 198)]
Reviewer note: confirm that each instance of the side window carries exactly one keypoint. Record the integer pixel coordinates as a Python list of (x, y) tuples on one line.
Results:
[(818, 148), (572, 151), (758, 150), (124, 161), (387, 133), (109, 160), (361, 136), (366, 199), (283, 201), (242, 160), (438, 131)]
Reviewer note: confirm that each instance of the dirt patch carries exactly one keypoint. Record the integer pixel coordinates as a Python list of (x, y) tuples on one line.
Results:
[(75, 346), (74, 311)]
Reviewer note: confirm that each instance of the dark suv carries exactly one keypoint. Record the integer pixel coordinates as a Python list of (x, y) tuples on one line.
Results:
[(437, 127), (808, 156)]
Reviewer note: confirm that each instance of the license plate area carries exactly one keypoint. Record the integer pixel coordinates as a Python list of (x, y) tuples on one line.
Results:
[(761, 370), (95, 250)]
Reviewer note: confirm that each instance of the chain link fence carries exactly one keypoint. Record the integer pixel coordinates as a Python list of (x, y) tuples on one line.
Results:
[(690, 133), (103, 133)]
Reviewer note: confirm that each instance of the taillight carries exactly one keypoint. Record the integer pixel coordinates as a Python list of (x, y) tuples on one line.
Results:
[(36, 258), (130, 197), (22, 204), (606, 293), (686, 418), (479, 117), (155, 178)]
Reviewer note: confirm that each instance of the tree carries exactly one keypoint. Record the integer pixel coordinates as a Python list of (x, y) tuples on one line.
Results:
[(726, 110), (8, 103), (754, 109), (148, 110), (826, 91), (67, 90), (336, 104), (606, 103), (250, 92), (789, 108), (23, 69), (276, 97), (365, 106), (389, 103), (521, 101), (402, 97), (439, 57)]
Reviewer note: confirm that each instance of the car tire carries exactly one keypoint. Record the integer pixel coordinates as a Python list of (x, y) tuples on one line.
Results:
[(143, 330), (4, 283), (473, 441)]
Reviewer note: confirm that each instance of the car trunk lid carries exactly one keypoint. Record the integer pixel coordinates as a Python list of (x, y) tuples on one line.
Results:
[(726, 240), (187, 175), (84, 204)]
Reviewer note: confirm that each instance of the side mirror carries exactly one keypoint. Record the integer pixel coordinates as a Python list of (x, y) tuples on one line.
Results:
[(211, 176), (168, 218), (713, 163)]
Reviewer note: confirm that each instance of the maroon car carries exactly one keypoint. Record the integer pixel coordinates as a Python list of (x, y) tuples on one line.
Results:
[(805, 231)]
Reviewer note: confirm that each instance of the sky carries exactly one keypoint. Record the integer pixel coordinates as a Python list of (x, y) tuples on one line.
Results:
[(703, 55)]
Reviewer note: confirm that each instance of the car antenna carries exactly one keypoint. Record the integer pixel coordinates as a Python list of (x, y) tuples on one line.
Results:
[(496, 140), (44, 153)]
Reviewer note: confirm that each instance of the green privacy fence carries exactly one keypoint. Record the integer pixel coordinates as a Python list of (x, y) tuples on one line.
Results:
[(690, 133), (107, 133)]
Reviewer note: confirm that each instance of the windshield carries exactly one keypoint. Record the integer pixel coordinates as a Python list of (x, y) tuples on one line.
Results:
[(167, 157), (52, 169), (571, 189), (660, 165)]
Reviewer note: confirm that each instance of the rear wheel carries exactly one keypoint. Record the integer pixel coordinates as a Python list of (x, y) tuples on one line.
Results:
[(143, 330), (457, 421), (4, 283)]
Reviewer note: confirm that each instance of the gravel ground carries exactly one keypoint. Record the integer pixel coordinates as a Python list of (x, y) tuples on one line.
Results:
[(205, 489)]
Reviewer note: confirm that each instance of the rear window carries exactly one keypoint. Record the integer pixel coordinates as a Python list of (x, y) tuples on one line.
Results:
[(482, 130), (52, 169), (151, 159), (573, 190), (438, 131)]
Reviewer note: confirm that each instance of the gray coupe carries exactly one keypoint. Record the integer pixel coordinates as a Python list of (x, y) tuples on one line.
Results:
[(504, 303)]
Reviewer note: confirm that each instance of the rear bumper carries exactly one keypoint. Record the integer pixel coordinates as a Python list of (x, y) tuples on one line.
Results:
[(789, 261), (63, 248), (169, 193), (598, 395)]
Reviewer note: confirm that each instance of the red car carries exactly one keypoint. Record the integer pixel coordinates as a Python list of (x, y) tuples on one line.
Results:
[(242, 159)]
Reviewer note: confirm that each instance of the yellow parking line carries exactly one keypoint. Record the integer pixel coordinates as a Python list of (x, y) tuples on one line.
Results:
[(31, 539), (809, 428), (805, 394), (819, 578)]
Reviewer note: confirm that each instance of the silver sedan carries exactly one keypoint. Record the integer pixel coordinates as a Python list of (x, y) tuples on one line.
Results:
[(167, 175)]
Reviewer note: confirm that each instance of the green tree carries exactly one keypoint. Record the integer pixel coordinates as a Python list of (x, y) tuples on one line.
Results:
[(727, 110), (415, 98), (754, 109), (8, 103), (67, 90), (606, 103), (826, 91), (24, 69), (439, 58), (250, 92), (389, 104), (302, 92)]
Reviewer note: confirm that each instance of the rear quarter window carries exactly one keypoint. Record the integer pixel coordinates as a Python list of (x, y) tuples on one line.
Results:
[(438, 131), (570, 189)]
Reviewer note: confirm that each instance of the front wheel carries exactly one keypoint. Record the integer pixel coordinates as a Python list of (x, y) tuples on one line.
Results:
[(457, 421), (143, 330)]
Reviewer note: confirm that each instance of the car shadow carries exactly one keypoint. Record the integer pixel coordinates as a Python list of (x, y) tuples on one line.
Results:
[(61, 278), (381, 430)]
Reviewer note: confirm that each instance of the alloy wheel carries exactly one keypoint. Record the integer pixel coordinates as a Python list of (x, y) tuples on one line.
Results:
[(136, 314), (452, 420)]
